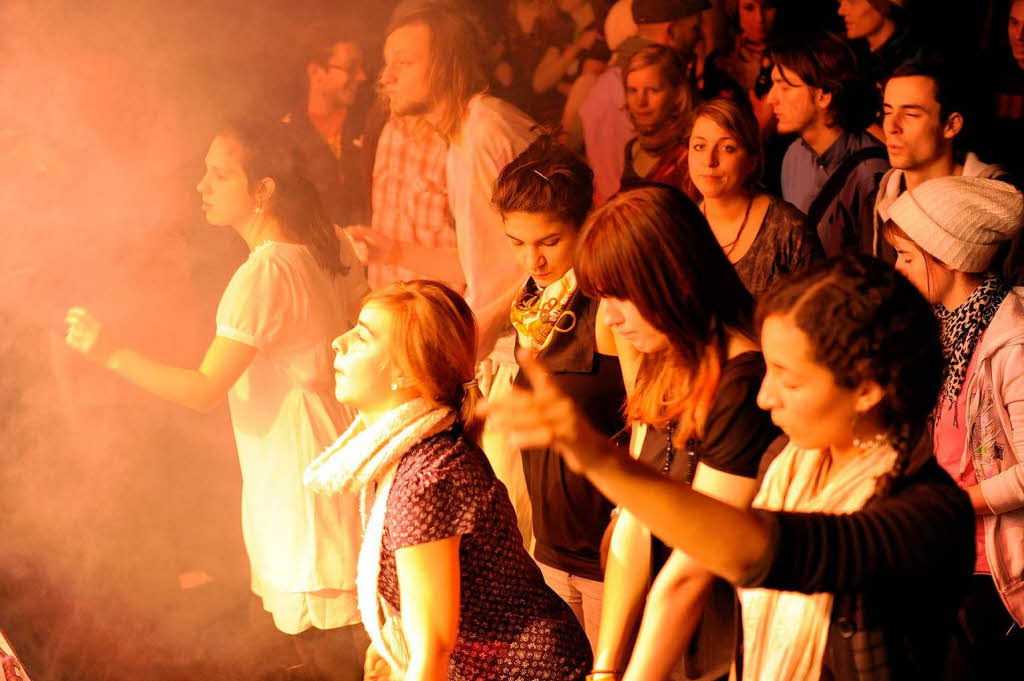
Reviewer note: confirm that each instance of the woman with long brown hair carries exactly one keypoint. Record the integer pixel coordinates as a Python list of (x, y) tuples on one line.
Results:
[(446, 587), (659, 101), (271, 359), (669, 291), (762, 235)]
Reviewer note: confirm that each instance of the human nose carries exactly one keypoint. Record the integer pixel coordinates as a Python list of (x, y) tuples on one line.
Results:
[(201, 186), (713, 157), (612, 313), (340, 344), (766, 398), (537, 259), (387, 75)]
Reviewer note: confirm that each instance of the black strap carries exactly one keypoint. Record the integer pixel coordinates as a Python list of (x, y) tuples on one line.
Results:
[(838, 179)]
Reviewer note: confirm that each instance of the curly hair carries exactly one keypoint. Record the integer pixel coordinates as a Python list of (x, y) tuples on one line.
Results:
[(879, 329), (546, 178)]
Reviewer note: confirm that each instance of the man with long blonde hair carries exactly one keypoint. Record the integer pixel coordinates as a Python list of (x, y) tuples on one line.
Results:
[(433, 71)]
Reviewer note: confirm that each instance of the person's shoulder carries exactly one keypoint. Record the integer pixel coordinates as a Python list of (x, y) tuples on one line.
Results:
[(785, 213), (487, 114)]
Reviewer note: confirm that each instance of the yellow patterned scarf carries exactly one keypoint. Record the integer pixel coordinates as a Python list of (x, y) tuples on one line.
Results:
[(537, 314)]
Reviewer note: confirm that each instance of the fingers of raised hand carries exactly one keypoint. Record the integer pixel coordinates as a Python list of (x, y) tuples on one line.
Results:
[(83, 329)]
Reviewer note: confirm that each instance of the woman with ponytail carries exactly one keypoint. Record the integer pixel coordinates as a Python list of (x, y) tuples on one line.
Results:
[(271, 357), (857, 553), (446, 588)]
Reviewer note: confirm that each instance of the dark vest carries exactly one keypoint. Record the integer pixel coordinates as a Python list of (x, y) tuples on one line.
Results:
[(569, 514)]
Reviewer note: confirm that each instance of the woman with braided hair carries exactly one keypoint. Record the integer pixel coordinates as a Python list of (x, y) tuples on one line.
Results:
[(543, 197), (857, 552)]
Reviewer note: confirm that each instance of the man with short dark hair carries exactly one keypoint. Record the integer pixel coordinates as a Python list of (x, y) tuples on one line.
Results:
[(328, 132), (923, 117), (831, 171), (606, 125)]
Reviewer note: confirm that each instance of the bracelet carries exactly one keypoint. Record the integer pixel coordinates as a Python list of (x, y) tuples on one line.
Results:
[(603, 675)]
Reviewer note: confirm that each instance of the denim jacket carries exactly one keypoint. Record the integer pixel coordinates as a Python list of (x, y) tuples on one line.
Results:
[(995, 446)]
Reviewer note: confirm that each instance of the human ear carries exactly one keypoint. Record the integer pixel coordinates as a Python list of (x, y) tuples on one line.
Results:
[(265, 188), (868, 396), (954, 124)]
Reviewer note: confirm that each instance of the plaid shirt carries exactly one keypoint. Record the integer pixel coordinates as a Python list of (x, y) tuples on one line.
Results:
[(410, 193)]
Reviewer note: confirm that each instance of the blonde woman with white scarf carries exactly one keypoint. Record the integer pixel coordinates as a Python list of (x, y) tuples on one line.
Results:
[(858, 549), (446, 588)]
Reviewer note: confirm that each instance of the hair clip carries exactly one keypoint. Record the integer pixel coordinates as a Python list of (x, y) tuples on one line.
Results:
[(543, 176)]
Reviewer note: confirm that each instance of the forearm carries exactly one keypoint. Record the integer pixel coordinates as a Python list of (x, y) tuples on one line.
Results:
[(550, 71), (187, 387), (727, 541), (674, 607), (431, 262), (625, 583), (430, 663)]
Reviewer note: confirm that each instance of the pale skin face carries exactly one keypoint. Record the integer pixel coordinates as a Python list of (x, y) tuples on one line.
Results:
[(803, 397), (340, 78), (623, 317), (861, 19), (363, 369), (796, 105), (719, 166), (543, 245), (405, 79), (1015, 31), (224, 187), (755, 20), (932, 279), (915, 132), (649, 97)]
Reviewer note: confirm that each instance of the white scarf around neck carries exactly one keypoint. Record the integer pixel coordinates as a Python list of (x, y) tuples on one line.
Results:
[(364, 456), (785, 632)]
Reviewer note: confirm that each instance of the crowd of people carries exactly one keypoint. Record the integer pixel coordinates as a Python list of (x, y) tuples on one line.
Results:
[(741, 301)]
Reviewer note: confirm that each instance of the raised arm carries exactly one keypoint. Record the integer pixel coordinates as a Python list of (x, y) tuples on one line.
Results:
[(200, 389)]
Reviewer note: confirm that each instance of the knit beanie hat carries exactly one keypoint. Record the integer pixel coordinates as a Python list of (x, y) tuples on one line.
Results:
[(960, 220)]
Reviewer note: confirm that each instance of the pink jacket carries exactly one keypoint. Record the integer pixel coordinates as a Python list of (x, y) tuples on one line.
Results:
[(995, 446)]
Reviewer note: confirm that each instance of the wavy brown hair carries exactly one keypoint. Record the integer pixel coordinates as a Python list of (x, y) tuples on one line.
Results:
[(433, 341), (650, 245)]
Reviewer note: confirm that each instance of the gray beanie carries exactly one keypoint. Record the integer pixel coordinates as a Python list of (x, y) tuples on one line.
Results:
[(960, 220)]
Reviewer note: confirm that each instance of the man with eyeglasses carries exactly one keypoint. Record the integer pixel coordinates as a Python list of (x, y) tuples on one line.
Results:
[(329, 132)]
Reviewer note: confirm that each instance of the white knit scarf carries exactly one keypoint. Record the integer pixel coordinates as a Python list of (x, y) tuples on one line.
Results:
[(364, 460), (785, 632)]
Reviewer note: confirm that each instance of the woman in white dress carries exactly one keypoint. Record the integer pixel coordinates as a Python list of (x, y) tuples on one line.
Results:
[(271, 356)]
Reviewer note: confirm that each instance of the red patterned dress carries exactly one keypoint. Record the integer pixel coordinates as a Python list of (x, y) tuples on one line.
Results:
[(512, 627)]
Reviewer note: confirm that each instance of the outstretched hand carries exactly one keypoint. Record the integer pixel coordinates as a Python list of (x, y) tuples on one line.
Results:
[(544, 417), (87, 335)]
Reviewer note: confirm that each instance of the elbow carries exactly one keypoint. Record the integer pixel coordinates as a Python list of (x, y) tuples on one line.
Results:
[(205, 402)]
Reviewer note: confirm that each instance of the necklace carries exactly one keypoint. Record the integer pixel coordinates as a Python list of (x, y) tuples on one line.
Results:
[(731, 246)]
